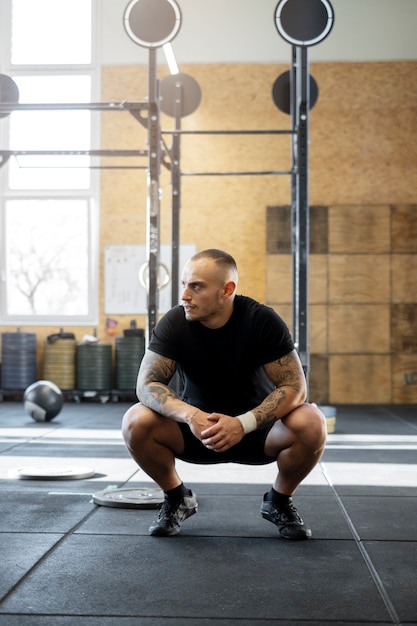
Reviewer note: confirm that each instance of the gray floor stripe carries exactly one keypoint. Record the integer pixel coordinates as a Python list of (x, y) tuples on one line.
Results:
[(366, 557)]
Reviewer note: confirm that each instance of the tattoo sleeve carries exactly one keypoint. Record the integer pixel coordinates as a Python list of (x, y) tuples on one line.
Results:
[(154, 375), (290, 389)]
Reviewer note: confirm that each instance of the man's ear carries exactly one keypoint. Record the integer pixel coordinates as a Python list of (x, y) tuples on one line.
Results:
[(229, 289)]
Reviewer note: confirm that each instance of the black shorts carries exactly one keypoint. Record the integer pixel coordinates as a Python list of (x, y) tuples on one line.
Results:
[(249, 451)]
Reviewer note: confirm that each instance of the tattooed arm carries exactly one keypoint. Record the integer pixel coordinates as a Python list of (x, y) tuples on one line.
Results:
[(291, 389), (152, 388)]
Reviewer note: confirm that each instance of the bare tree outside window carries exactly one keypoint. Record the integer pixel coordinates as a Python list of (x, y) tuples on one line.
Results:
[(47, 257)]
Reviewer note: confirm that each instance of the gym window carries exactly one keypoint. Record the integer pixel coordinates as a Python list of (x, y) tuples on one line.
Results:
[(49, 203)]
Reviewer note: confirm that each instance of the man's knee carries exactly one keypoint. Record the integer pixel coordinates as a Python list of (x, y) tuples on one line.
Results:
[(309, 424), (142, 428), (137, 421)]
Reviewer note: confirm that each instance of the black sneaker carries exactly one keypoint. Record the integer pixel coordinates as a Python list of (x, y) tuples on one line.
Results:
[(286, 518), (171, 514)]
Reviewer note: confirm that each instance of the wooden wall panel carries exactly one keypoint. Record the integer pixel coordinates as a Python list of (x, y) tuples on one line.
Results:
[(319, 229), (318, 328), (279, 278), (359, 278), (318, 290), (404, 328), (359, 328), (404, 278), (359, 229), (404, 379), (319, 379), (404, 228), (363, 148), (362, 379), (278, 230)]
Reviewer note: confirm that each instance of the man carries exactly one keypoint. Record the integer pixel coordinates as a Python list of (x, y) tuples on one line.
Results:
[(243, 397)]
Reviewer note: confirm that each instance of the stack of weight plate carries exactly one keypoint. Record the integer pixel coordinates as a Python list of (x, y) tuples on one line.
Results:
[(18, 356), (94, 366), (59, 362), (129, 354)]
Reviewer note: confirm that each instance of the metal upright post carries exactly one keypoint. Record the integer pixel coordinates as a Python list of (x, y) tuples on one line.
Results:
[(176, 195), (294, 194), (153, 196), (300, 211)]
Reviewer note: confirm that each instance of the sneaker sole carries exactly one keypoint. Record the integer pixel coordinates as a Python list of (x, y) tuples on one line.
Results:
[(301, 533)]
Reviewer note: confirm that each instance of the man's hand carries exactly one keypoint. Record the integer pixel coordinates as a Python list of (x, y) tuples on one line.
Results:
[(222, 433), (198, 422)]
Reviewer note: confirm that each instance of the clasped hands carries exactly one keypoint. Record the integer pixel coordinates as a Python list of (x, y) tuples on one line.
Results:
[(216, 431)]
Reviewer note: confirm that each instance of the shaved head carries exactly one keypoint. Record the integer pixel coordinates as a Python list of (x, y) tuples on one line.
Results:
[(222, 259)]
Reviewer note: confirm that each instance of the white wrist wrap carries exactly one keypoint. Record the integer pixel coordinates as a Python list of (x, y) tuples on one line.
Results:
[(248, 421)]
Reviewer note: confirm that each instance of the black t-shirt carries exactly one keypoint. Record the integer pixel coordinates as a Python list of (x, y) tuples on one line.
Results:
[(221, 369)]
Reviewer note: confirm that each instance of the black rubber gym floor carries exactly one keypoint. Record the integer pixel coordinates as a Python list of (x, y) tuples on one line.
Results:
[(66, 561)]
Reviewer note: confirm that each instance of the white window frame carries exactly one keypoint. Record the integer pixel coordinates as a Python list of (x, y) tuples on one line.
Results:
[(91, 194)]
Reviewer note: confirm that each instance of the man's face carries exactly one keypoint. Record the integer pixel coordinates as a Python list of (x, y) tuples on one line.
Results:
[(204, 289)]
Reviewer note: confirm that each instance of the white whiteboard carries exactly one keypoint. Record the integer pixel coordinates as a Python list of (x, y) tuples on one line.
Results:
[(123, 293)]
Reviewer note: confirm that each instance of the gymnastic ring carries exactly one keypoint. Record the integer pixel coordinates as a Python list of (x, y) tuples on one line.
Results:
[(144, 280)]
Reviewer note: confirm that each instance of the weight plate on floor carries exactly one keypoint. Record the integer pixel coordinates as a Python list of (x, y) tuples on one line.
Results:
[(130, 498), (49, 472)]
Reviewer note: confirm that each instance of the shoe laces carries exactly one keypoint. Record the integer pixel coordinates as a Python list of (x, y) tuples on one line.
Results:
[(169, 508), (289, 513)]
